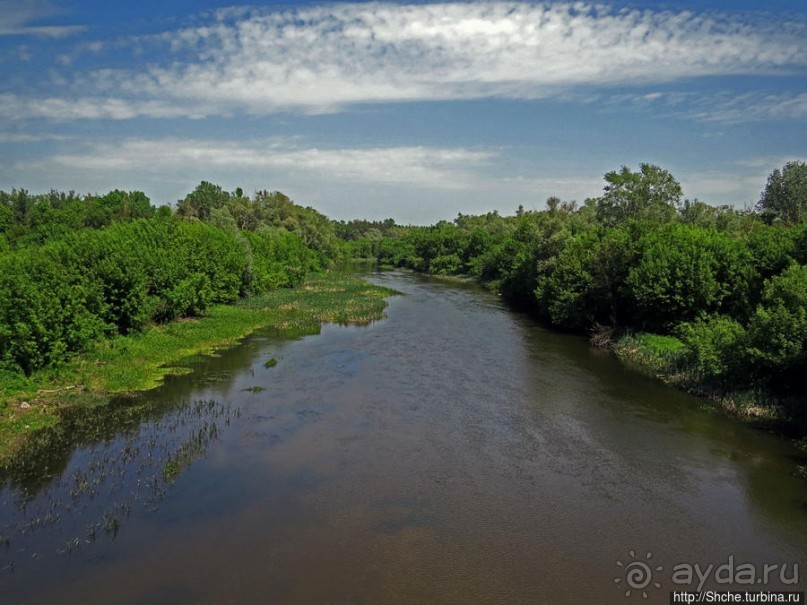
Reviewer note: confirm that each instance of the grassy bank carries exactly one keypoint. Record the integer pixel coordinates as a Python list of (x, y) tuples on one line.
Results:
[(666, 358), (138, 362)]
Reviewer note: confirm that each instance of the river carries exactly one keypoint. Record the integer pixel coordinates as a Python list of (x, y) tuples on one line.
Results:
[(453, 452)]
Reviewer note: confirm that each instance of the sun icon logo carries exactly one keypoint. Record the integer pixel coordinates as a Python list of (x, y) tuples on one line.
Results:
[(637, 574)]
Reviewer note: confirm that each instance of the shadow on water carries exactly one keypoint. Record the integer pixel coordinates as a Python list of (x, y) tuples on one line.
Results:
[(764, 454), (649, 413), (127, 462)]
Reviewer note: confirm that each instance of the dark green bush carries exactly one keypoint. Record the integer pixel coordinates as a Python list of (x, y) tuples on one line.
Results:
[(585, 283), (446, 264), (777, 333), (279, 259)]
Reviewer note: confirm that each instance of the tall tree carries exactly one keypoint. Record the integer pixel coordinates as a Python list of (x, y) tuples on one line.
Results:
[(651, 193), (202, 201), (785, 195)]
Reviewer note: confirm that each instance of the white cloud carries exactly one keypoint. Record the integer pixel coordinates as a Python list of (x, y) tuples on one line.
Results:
[(768, 163), (45, 31), (323, 58), (740, 189), (16, 18), (21, 137), (533, 191), (412, 184), (442, 168), (15, 107), (756, 106), (721, 107)]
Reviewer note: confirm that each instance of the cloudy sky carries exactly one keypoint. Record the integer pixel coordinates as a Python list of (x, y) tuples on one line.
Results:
[(412, 110)]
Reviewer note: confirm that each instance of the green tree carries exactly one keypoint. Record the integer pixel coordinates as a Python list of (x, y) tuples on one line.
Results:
[(585, 283), (714, 346), (651, 193), (117, 205), (202, 201), (777, 334), (785, 195), (773, 249), (21, 204), (686, 272), (6, 217)]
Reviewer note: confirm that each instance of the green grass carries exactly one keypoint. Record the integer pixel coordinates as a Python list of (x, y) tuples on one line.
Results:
[(138, 362), (652, 352)]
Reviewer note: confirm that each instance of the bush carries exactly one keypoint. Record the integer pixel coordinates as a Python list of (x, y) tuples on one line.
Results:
[(446, 264), (585, 283), (714, 346), (45, 312), (279, 259), (685, 273), (58, 298), (215, 254), (777, 333)]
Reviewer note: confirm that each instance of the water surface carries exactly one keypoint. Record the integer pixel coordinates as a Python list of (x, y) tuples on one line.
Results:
[(454, 452)]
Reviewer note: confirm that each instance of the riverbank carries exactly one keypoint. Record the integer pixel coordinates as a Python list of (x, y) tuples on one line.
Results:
[(665, 358), (129, 364)]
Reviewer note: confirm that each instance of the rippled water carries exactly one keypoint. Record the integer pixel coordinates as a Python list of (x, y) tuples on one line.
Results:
[(454, 452)]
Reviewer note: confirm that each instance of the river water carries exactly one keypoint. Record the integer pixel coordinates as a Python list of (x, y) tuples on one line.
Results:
[(453, 452)]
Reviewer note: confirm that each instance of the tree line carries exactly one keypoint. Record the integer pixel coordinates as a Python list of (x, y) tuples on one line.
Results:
[(728, 286), (75, 269)]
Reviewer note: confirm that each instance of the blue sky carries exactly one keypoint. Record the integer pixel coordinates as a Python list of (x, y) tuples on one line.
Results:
[(412, 110)]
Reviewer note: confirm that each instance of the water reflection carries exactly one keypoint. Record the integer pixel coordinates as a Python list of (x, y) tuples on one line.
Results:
[(454, 453), (102, 484)]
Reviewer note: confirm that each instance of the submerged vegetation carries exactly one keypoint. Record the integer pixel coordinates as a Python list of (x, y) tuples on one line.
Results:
[(134, 452)]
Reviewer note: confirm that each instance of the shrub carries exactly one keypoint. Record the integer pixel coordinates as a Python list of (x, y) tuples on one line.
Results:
[(446, 264), (585, 283), (279, 259), (777, 333), (45, 312), (714, 346), (685, 273), (59, 297)]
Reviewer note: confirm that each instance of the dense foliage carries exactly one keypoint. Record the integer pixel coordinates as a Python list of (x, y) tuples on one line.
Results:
[(729, 286), (77, 269)]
